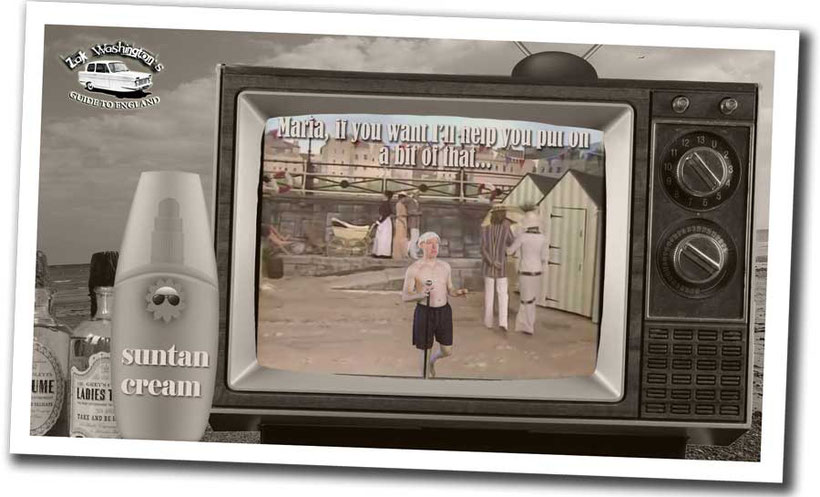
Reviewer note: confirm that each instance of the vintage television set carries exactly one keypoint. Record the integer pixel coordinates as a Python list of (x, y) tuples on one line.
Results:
[(673, 348)]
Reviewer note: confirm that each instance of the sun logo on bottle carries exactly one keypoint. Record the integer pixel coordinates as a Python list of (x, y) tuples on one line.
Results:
[(165, 300)]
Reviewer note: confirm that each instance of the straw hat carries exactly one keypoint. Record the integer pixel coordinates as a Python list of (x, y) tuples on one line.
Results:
[(512, 213), (531, 220)]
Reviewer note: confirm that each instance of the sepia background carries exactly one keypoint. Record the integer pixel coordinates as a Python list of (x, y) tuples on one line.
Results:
[(91, 158)]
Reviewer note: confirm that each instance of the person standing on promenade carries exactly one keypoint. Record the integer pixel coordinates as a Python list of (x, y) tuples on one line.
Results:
[(533, 250), (413, 222), (495, 238), (383, 239), (400, 228)]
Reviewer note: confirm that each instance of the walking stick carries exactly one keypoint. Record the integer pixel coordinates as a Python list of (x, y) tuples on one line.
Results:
[(428, 284)]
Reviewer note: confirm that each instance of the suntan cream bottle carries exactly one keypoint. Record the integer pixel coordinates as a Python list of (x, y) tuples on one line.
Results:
[(164, 336)]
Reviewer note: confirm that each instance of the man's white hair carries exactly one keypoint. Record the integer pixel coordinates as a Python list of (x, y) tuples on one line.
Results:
[(427, 236)]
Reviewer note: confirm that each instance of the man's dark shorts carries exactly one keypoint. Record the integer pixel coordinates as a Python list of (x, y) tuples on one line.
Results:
[(440, 320)]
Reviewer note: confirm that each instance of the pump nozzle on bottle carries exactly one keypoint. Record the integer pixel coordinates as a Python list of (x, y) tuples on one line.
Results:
[(167, 237)]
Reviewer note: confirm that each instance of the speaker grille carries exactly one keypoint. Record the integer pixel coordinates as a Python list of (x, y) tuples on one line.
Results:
[(695, 373)]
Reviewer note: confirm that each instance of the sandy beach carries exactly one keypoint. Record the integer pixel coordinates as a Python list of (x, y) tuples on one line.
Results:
[(305, 324)]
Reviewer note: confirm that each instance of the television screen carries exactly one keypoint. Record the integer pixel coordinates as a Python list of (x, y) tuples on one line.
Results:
[(429, 246), (512, 215)]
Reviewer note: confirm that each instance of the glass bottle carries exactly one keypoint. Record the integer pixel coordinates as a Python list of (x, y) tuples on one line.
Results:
[(90, 396), (49, 369)]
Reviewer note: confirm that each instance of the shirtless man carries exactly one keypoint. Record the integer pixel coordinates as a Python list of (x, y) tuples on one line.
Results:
[(430, 276)]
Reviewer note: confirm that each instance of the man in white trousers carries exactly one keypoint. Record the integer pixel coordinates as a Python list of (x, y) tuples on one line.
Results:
[(533, 250), (495, 238)]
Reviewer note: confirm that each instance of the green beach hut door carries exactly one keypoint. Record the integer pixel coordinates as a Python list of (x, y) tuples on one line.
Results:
[(566, 265)]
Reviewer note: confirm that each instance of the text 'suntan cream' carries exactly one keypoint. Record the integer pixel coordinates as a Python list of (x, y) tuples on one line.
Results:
[(164, 339)]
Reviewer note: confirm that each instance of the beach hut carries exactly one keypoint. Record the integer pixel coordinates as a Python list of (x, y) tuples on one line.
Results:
[(571, 212), (530, 190)]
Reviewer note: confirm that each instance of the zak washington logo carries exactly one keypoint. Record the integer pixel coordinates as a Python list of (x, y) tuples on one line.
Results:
[(101, 73)]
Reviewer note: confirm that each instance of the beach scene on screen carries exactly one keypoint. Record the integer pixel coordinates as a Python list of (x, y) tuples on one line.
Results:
[(437, 247)]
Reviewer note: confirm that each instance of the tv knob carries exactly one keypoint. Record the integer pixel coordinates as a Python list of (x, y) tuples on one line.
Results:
[(699, 258), (696, 258), (702, 171), (728, 105), (699, 170)]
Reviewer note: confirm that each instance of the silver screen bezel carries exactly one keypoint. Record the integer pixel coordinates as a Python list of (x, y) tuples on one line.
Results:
[(606, 384)]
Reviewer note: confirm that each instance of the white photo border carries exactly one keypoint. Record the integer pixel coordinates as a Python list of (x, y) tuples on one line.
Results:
[(784, 44)]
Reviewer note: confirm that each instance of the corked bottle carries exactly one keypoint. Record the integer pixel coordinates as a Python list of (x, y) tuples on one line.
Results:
[(49, 366), (102, 270), (90, 395)]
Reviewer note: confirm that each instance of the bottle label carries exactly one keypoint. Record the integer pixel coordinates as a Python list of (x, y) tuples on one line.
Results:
[(47, 390), (92, 405)]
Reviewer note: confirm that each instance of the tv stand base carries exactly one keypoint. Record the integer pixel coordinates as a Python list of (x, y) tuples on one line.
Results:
[(476, 441)]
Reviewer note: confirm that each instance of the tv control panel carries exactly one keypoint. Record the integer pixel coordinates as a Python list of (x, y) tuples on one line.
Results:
[(696, 337), (700, 216)]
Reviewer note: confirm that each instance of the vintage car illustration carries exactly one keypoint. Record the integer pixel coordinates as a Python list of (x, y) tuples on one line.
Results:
[(113, 76)]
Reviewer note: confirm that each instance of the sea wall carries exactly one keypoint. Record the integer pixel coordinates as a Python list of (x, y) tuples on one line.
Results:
[(308, 219)]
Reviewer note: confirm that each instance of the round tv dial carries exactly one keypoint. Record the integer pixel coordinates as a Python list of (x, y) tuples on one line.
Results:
[(699, 258), (696, 258), (699, 170), (702, 171)]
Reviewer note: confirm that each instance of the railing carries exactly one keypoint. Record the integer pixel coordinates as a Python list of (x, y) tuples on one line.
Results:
[(365, 179)]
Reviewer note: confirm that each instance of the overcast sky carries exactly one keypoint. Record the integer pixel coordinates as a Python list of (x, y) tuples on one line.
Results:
[(91, 158)]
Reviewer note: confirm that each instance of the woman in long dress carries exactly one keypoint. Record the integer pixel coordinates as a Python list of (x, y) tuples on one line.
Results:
[(383, 240), (400, 232)]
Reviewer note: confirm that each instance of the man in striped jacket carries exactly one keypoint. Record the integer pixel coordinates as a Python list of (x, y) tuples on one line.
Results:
[(495, 238)]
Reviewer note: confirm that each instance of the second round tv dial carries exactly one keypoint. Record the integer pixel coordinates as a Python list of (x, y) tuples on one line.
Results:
[(699, 258), (696, 259)]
